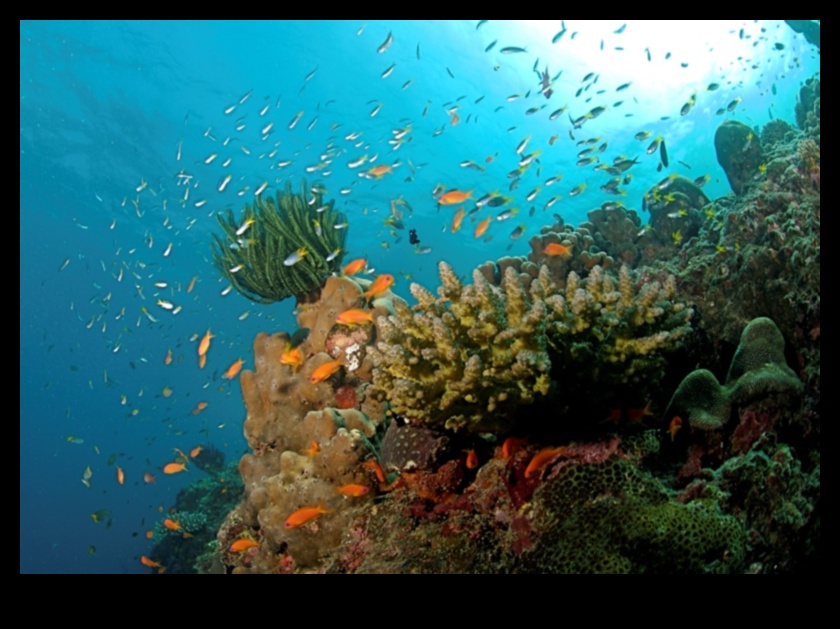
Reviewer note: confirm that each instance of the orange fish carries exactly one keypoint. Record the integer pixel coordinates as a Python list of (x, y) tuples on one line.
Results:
[(354, 316), (556, 249), (313, 449), (674, 426), (204, 345), (454, 197), (230, 374), (510, 445), (168, 359), (542, 459), (150, 534), (325, 371), (472, 459), (196, 451), (458, 219), (120, 475), (148, 478), (172, 525), (291, 357), (302, 516), (167, 391), (354, 267), (242, 545), (482, 227), (199, 407), (377, 469), (455, 118), (379, 286), (635, 415), (379, 171), (149, 563), (174, 468), (353, 490)]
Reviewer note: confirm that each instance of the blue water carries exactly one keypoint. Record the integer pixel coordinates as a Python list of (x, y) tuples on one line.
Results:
[(105, 109)]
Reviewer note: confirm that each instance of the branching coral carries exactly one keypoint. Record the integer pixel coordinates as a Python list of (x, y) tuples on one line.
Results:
[(471, 356), (257, 254)]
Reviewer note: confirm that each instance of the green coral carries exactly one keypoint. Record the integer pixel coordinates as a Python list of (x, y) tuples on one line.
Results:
[(614, 517), (758, 368), (253, 261), (469, 357)]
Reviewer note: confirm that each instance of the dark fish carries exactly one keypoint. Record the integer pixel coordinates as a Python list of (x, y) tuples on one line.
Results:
[(507, 50), (450, 73), (663, 154), (620, 29), (490, 47)]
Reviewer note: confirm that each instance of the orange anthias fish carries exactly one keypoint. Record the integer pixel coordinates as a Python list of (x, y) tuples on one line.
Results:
[(556, 249), (241, 545), (354, 316), (542, 459), (379, 171), (196, 451), (377, 469), (233, 370), (353, 490), (149, 563), (453, 197), (148, 478), (302, 516), (455, 118), (354, 267), (472, 459), (174, 468), (199, 407), (291, 356), (168, 359), (635, 415), (120, 475), (324, 371), (458, 219), (204, 345), (172, 525), (482, 227), (379, 286), (167, 391), (674, 426)]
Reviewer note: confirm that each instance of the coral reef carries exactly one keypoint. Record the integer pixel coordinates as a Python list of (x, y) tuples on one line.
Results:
[(676, 212), (739, 153), (200, 508), (808, 107), (304, 447), (757, 370), (470, 357), (283, 248), (569, 465)]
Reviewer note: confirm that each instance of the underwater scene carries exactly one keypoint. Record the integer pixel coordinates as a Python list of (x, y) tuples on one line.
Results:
[(420, 297)]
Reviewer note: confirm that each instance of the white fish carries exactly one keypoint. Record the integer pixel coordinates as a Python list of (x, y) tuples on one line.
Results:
[(224, 182), (257, 193), (375, 110), (227, 290), (386, 44), (267, 128), (209, 159), (296, 119), (388, 71), (168, 250)]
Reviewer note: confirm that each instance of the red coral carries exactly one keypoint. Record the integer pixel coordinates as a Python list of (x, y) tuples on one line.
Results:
[(345, 397), (754, 422)]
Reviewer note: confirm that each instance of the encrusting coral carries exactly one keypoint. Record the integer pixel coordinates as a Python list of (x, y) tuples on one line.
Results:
[(470, 357), (283, 248)]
